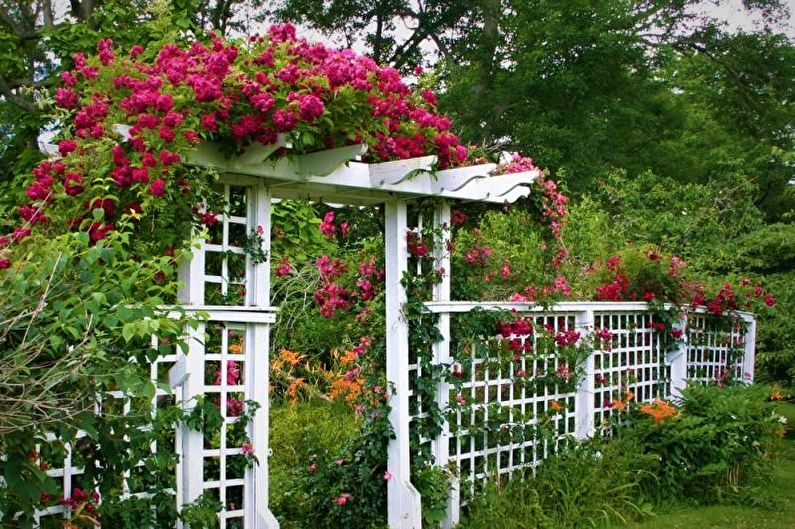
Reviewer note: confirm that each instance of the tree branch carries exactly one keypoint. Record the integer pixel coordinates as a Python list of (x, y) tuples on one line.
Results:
[(49, 21), (21, 102)]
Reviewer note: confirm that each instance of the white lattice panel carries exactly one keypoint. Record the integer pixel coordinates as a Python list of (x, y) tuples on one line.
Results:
[(715, 349), (507, 398), (632, 363)]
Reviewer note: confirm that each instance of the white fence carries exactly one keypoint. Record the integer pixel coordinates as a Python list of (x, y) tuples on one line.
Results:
[(493, 431)]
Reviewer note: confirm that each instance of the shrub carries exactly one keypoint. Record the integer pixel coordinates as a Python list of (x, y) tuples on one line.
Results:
[(717, 442), (327, 468)]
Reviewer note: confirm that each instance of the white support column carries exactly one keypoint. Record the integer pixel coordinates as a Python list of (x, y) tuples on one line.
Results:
[(440, 447), (584, 404), (257, 513), (678, 362), (749, 358), (192, 460), (258, 289), (403, 500), (190, 469)]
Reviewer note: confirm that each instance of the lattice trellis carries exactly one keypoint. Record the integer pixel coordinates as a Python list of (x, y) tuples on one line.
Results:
[(632, 364), (505, 394), (635, 362), (716, 349)]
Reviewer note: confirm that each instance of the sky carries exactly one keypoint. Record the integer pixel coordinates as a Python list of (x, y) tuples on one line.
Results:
[(732, 12)]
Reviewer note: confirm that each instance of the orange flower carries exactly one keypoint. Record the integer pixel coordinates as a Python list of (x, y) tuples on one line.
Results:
[(290, 357), (349, 390), (349, 357), (629, 396), (659, 410), (619, 405), (292, 389), (777, 394), (235, 348), (555, 405)]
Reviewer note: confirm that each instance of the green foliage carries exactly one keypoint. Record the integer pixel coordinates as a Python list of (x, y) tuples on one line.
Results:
[(300, 434), (433, 484), (582, 486), (77, 321), (295, 232), (714, 449), (328, 468)]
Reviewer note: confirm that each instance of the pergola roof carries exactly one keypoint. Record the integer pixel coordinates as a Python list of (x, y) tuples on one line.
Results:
[(337, 175)]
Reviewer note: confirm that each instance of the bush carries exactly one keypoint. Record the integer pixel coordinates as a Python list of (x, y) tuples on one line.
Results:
[(716, 443), (299, 432)]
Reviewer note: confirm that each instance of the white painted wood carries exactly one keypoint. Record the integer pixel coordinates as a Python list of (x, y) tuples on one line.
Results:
[(584, 401), (563, 306), (191, 294), (455, 179), (192, 440), (397, 171), (259, 287), (235, 314), (749, 358), (258, 364), (403, 500), (258, 382), (326, 173), (678, 362), (440, 447)]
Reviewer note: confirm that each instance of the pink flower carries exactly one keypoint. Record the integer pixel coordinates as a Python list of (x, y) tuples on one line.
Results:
[(66, 146), (285, 268), (343, 498), (387, 475), (69, 78), (284, 120), (136, 50), (247, 449), (157, 188), (65, 98), (327, 226), (312, 468), (310, 107)]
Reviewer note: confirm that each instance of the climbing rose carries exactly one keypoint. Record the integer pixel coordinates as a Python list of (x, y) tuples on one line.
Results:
[(157, 188)]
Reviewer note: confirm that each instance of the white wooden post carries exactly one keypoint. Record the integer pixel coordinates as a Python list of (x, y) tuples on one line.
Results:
[(678, 361), (749, 358), (440, 447), (584, 401), (403, 500), (190, 470), (258, 364)]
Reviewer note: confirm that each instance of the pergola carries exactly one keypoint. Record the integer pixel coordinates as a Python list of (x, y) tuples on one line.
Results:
[(336, 176)]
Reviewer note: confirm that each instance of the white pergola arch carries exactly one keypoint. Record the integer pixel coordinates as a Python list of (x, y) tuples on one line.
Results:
[(336, 176)]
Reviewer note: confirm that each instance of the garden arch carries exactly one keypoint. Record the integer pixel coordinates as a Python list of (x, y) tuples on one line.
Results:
[(334, 176)]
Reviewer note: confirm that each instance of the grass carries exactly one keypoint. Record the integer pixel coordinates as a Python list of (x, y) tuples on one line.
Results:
[(778, 497)]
